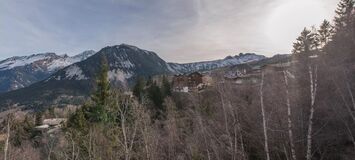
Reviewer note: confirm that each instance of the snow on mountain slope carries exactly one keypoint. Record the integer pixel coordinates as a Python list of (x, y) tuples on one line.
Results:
[(50, 61), (125, 64), (209, 65), (21, 71)]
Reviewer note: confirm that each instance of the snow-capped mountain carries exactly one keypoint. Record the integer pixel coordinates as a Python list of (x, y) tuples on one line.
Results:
[(210, 65), (126, 63), (21, 71), (48, 61), (77, 80)]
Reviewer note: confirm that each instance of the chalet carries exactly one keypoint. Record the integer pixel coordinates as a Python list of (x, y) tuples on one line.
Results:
[(243, 74), (238, 71), (192, 82), (194, 79), (253, 75)]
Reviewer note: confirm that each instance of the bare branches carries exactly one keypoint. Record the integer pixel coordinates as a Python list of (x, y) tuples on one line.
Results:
[(6, 146), (289, 118), (266, 146), (313, 90)]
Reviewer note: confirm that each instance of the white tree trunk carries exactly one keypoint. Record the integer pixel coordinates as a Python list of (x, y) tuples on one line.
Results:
[(313, 86), (128, 132), (289, 120), (125, 140), (6, 147), (266, 147)]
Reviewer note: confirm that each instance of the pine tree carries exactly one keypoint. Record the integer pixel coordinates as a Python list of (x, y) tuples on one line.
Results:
[(344, 35), (325, 33), (315, 42), (156, 96), (102, 92), (166, 87), (138, 89), (343, 14), (99, 111), (39, 118), (78, 120), (306, 43)]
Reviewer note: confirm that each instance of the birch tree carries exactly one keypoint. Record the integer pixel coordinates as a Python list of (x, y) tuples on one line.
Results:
[(289, 119), (6, 147), (128, 129), (266, 145), (313, 91)]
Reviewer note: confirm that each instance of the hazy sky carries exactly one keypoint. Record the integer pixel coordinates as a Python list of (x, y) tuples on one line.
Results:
[(177, 30)]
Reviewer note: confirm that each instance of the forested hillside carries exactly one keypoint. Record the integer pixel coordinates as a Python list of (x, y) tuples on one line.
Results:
[(302, 110)]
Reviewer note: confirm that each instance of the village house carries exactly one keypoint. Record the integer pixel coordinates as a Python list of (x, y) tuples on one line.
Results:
[(189, 83), (245, 74), (51, 125), (238, 71)]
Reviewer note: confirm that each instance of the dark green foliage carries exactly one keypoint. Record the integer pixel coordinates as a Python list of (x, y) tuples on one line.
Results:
[(343, 14), (138, 89), (23, 131), (102, 92), (79, 120), (155, 93), (156, 96), (102, 108), (98, 111), (166, 87), (39, 118)]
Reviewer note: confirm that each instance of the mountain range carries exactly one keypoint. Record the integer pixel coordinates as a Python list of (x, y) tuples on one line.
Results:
[(47, 79), (18, 72)]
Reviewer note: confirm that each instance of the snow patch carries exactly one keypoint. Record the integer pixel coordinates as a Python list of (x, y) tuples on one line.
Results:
[(209, 65), (74, 72), (21, 61), (50, 61), (127, 64), (119, 75)]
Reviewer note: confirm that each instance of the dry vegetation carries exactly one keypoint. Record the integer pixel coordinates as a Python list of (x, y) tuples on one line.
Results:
[(305, 111)]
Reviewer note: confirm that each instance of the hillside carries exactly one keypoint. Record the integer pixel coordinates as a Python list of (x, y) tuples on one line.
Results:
[(18, 72), (72, 83)]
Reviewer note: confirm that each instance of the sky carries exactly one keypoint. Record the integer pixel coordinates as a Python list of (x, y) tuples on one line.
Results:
[(177, 30)]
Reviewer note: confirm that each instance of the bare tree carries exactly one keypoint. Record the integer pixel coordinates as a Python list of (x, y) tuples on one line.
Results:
[(128, 130), (266, 145), (289, 119), (8, 130), (313, 90)]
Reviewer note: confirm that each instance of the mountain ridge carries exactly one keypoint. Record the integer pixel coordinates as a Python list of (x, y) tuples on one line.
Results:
[(214, 64), (126, 63), (21, 71)]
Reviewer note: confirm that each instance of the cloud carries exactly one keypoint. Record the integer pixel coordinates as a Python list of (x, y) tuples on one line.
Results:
[(178, 30)]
